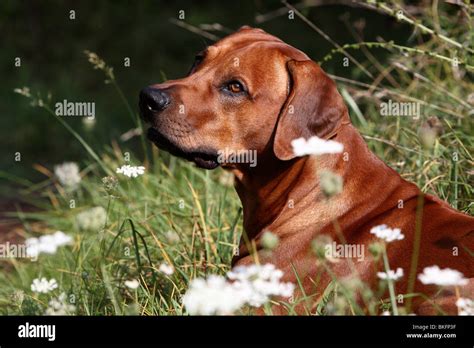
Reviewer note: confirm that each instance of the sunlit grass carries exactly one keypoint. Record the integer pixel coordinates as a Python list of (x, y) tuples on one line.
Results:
[(191, 218)]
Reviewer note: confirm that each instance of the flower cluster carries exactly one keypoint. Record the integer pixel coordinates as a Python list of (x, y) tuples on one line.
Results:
[(269, 240), (92, 219), (252, 285), (68, 175), (47, 244), (131, 171), (43, 285), (315, 146), (172, 237), (386, 233), (213, 295), (60, 306), (258, 283), (110, 184), (442, 277), (132, 284), (166, 269), (24, 91), (391, 275), (331, 183), (465, 306)]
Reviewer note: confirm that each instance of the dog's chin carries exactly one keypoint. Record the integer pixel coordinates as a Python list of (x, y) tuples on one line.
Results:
[(205, 159)]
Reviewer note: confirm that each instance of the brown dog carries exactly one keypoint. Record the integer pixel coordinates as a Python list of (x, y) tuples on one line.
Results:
[(252, 91)]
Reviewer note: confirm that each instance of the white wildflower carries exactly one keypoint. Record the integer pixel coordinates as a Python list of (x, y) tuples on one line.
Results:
[(172, 237), (392, 275), (252, 285), (269, 240), (166, 269), (68, 175), (258, 283), (386, 233), (131, 171), (25, 91), (88, 122), (43, 285), (213, 295), (331, 183), (92, 219), (442, 277), (465, 306), (227, 179), (47, 244), (315, 146), (132, 284), (60, 306)]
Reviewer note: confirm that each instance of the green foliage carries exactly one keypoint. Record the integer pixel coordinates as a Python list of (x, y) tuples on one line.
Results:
[(190, 218)]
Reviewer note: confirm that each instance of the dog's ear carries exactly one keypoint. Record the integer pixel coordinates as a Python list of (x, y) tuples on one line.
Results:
[(313, 107)]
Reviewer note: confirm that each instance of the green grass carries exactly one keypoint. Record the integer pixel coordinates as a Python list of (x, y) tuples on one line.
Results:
[(197, 206), (134, 241)]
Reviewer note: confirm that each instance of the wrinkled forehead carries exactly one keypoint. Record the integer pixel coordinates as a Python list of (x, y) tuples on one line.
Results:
[(244, 37), (255, 45)]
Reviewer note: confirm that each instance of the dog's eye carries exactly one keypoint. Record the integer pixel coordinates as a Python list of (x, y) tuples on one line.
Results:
[(235, 87)]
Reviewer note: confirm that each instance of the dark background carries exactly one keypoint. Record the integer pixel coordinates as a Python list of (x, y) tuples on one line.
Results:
[(51, 48)]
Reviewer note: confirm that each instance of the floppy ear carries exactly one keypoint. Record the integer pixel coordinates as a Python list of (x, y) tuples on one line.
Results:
[(314, 107)]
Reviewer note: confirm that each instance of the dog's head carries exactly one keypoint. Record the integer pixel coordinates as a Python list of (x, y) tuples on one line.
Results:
[(250, 91)]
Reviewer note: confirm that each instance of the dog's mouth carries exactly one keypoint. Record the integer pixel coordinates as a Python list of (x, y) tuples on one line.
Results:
[(203, 159)]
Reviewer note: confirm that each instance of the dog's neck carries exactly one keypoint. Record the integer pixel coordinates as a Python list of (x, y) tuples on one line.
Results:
[(265, 193), (272, 192), (278, 195)]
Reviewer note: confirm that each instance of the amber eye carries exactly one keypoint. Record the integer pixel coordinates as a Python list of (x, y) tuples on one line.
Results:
[(235, 87)]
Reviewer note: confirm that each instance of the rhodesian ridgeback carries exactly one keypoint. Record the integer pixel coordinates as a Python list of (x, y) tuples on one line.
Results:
[(254, 92)]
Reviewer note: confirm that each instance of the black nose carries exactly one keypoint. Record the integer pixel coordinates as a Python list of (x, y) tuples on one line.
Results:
[(153, 99)]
